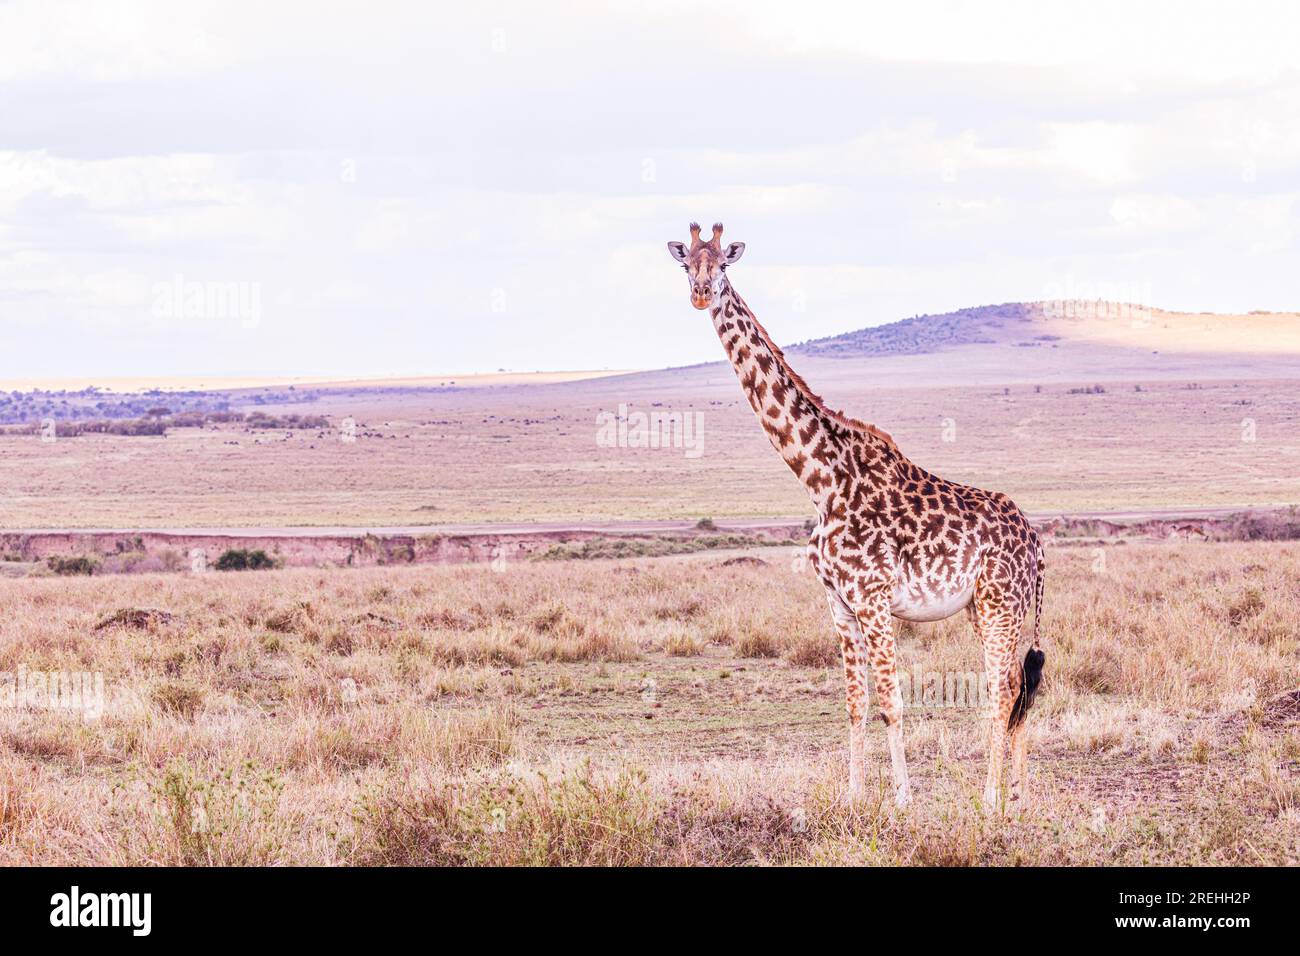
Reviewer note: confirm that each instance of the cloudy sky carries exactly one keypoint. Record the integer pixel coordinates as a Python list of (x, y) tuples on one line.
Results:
[(381, 188)]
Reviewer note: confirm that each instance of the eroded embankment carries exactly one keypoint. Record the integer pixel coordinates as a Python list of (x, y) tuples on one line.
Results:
[(117, 551), (122, 551)]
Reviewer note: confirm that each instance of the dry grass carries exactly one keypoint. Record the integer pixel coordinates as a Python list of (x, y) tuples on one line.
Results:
[(656, 711)]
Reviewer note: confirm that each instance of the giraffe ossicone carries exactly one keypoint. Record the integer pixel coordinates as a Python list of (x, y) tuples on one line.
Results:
[(891, 540)]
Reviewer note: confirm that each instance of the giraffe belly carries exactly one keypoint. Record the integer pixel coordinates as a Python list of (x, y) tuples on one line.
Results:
[(913, 602)]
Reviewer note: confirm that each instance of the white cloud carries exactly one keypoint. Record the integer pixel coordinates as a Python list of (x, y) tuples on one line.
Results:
[(1149, 212), (1192, 42), (382, 171), (1267, 225)]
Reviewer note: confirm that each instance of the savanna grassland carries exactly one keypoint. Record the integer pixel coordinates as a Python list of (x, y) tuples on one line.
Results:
[(671, 710), (522, 454), (1065, 407)]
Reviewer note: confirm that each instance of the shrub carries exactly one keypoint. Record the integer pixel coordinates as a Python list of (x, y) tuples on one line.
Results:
[(579, 819), (179, 699), (1250, 603), (139, 426), (232, 817), (241, 559), (681, 644), (171, 560), (136, 617), (681, 610), (814, 651), (263, 420), (290, 619), (72, 565), (340, 642), (188, 420), (756, 644), (1279, 526)]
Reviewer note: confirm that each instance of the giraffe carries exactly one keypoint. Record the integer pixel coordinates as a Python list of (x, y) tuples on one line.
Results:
[(890, 541)]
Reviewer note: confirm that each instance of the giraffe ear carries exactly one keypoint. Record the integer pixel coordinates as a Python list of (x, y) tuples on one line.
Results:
[(677, 250), (733, 253)]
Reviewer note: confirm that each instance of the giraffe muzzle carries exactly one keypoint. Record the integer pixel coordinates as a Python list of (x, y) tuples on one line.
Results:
[(701, 300)]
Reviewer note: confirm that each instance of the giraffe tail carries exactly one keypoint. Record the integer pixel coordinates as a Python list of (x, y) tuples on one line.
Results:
[(1038, 597), (1032, 673)]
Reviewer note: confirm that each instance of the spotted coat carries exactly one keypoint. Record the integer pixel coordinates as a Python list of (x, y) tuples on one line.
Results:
[(891, 539)]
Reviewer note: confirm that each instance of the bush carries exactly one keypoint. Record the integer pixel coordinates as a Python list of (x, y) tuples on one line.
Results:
[(171, 559), (179, 699), (263, 420), (681, 644), (138, 427), (1247, 606), (1278, 526), (241, 559), (74, 565), (756, 644), (814, 651)]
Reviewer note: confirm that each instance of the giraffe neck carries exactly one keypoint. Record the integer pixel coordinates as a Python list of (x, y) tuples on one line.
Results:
[(803, 432)]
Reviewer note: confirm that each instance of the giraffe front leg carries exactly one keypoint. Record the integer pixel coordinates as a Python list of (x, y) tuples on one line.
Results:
[(878, 628), (855, 653)]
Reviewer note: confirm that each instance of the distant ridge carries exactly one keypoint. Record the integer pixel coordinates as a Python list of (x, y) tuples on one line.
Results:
[(1036, 324), (924, 333)]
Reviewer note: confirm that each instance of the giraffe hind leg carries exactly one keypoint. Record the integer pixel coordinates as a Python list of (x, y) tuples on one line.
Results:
[(998, 636)]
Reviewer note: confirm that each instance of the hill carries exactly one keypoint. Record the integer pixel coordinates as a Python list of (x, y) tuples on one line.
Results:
[(1041, 324)]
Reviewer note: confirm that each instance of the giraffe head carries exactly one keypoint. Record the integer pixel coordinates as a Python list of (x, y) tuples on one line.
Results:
[(704, 263)]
